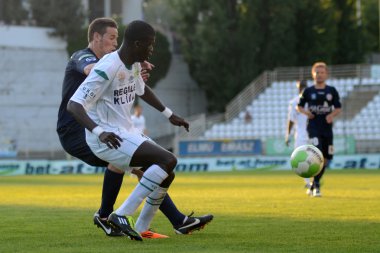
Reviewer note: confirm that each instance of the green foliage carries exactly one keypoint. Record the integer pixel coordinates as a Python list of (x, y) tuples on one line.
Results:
[(75, 43), (255, 211), (12, 12), (315, 32), (161, 59), (65, 16), (348, 34), (211, 46), (370, 27), (227, 43)]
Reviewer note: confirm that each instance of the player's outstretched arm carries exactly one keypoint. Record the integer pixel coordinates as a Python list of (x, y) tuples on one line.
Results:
[(330, 117), (288, 131), (150, 98), (112, 140), (178, 121), (80, 115)]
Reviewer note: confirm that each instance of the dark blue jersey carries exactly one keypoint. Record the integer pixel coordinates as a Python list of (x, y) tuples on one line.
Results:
[(321, 102), (74, 76)]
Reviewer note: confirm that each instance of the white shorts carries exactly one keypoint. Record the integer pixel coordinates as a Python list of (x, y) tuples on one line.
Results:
[(121, 157), (300, 141)]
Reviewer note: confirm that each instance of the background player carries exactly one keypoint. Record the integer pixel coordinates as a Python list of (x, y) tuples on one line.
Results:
[(299, 121), (102, 37), (323, 106), (138, 119)]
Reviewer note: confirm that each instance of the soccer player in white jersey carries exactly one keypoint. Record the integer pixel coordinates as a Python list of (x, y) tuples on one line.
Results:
[(102, 37), (298, 121), (102, 104)]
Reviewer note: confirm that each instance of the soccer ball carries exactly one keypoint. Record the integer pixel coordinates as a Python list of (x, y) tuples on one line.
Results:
[(307, 161)]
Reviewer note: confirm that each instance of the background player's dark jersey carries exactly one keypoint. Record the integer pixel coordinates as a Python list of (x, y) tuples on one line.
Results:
[(74, 76), (320, 102)]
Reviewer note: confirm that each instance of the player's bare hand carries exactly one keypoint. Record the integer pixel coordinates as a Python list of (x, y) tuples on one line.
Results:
[(329, 118), (310, 115), (147, 65), (112, 140), (145, 75), (178, 121)]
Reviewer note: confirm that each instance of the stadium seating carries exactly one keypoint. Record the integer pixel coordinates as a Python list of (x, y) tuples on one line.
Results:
[(269, 113)]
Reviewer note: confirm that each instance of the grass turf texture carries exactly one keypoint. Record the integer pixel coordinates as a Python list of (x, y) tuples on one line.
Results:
[(258, 211)]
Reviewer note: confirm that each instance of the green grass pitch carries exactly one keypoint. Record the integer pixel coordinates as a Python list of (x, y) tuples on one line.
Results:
[(255, 211)]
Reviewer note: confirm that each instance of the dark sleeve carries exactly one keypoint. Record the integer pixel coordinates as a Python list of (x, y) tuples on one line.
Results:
[(303, 98), (336, 98), (83, 60)]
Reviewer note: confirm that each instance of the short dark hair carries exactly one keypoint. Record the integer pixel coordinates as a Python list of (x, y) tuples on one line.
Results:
[(302, 83), (317, 65), (138, 30), (100, 25)]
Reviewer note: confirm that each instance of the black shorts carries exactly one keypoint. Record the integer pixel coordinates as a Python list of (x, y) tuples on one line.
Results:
[(73, 140), (324, 143)]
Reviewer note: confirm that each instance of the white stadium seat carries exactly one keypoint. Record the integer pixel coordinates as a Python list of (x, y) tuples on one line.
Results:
[(269, 113)]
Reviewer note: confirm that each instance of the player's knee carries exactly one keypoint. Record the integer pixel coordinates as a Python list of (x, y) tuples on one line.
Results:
[(167, 182), (170, 178), (170, 162)]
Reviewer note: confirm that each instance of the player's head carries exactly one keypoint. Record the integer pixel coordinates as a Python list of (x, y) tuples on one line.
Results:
[(301, 85), (102, 35), (139, 36), (319, 72)]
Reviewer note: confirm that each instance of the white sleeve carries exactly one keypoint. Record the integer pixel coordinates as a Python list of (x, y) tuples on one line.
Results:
[(93, 86)]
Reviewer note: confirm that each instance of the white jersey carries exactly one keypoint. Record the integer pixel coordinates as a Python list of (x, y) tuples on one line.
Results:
[(108, 94), (300, 123), (139, 122), (109, 91)]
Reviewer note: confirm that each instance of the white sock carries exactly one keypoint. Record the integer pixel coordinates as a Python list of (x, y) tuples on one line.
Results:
[(151, 179), (307, 181), (152, 203)]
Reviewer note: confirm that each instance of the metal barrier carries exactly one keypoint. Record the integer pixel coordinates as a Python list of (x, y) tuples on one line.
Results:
[(202, 122)]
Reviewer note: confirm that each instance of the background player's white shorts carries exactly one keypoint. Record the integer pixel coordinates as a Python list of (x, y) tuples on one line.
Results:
[(121, 157), (300, 141)]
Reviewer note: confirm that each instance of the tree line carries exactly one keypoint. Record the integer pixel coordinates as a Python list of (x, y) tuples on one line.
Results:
[(227, 43), (67, 18)]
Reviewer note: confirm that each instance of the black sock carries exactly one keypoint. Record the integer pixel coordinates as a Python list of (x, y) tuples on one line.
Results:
[(111, 186), (318, 177), (168, 208)]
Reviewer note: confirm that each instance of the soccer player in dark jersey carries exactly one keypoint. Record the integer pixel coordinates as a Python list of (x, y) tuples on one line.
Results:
[(102, 37), (323, 106)]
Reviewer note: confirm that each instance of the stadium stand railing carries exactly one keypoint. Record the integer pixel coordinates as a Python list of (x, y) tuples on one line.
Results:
[(358, 85)]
